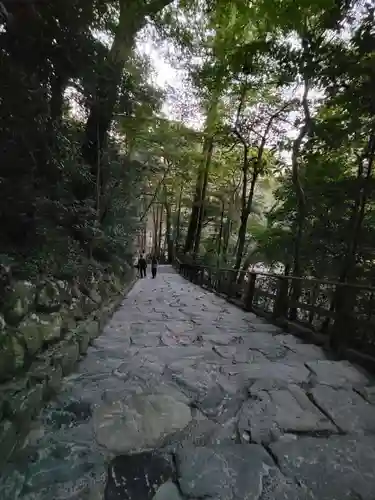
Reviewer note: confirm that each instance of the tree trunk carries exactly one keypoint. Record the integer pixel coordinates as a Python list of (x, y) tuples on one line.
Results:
[(244, 213), (198, 233), (142, 239), (241, 240), (345, 297), (178, 222), (164, 249), (227, 233), (160, 229), (155, 215), (155, 193), (220, 236), (301, 200), (196, 216), (102, 108), (296, 179), (358, 213), (168, 231), (133, 17), (257, 169), (57, 98), (244, 219)]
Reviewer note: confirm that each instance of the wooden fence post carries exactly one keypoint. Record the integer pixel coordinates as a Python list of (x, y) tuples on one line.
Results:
[(313, 295), (218, 280), (280, 308), (250, 289), (232, 282), (296, 290), (191, 273), (344, 324), (201, 275), (196, 274)]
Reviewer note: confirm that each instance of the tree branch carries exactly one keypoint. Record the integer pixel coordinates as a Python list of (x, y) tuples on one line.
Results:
[(267, 129), (156, 192), (239, 109), (4, 14), (156, 6), (297, 145)]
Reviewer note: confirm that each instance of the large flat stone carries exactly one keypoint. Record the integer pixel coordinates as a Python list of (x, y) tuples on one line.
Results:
[(196, 384), (141, 422), (267, 415), (337, 468), (219, 405), (167, 491), (270, 346), (349, 411), (336, 373), (180, 327), (266, 327), (171, 339), (239, 354), (222, 339), (304, 352), (291, 373), (232, 472), (203, 471), (147, 340), (137, 477), (288, 340), (169, 354), (144, 381), (203, 432)]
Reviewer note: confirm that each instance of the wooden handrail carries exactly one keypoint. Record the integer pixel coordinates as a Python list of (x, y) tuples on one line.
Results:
[(281, 276), (332, 311)]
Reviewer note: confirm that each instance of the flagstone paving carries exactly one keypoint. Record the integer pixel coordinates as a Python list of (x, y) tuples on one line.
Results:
[(185, 396)]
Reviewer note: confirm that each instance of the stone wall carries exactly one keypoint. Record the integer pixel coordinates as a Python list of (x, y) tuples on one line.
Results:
[(44, 329)]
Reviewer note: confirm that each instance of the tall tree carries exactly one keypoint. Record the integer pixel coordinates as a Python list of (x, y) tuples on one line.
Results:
[(133, 16)]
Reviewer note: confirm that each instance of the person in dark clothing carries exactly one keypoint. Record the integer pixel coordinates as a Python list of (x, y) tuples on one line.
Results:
[(154, 266), (142, 265)]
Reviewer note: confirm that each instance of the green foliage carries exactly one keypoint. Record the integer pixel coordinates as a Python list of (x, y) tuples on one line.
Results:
[(62, 209), (254, 57), (52, 217)]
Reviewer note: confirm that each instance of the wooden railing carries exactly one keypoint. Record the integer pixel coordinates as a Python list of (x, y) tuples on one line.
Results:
[(341, 313)]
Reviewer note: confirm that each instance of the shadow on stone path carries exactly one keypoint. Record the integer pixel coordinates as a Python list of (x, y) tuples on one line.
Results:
[(186, 396)]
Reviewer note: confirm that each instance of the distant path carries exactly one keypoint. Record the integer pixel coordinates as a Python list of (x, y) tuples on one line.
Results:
[(235, 409)]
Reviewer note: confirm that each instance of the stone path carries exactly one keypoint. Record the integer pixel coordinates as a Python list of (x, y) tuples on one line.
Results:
[(184, 396)]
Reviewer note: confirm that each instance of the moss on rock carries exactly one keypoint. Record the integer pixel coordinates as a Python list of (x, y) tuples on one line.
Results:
[(11, 355), (36, 330), (48, 298), (18, 301)]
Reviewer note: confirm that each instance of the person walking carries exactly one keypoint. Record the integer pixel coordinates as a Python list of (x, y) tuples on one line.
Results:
[(142, 265), (154, 266)]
